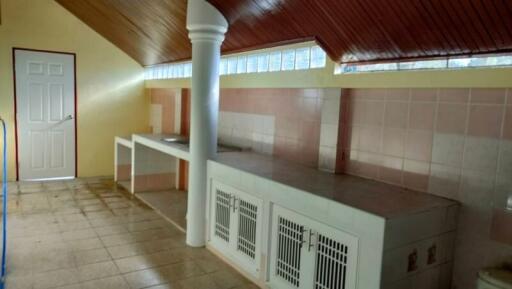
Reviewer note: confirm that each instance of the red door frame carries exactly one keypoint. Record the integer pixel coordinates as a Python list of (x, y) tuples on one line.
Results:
[(16, 107)]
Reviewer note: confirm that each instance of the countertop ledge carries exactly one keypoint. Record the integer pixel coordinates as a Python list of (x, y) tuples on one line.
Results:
[(385, 200)]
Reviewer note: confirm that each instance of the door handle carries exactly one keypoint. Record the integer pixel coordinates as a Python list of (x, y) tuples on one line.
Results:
[(69, 117)]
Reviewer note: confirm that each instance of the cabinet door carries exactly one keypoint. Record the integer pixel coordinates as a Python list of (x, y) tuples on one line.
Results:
[(287, 263), (221, 218), (335, 258), (308, 254), (248, 214)]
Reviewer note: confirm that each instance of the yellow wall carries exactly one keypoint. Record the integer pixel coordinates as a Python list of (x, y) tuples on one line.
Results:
[(473, 77), (110, 84)]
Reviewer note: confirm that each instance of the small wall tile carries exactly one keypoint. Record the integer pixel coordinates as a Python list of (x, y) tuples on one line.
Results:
[(457, 95), (481, 154), (393, 142), (416, 175), (373, 113), (477, 188), (391, 170), (398, 94), (422, 116), (505, 157), (419, 145), (507, 125), (448, 149), (444, 181), (369, 139), (451, 118), (485, 120), (488, 95), (396, 114), (424, 94)]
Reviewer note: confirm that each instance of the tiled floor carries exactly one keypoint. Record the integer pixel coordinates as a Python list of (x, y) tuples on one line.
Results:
[(87, 233), (171, 204)]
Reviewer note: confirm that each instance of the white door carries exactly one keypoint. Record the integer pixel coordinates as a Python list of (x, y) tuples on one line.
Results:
[(45, 98)]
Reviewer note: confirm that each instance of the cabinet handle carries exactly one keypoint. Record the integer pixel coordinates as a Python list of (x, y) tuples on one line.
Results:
[(234, 203), (310, 240)]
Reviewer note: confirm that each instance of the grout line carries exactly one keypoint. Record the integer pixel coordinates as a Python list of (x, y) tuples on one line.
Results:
[(465, 138), (500, 144)]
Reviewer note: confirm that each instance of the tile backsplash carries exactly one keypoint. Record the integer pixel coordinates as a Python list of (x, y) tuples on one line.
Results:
[(284, 122), (454, 143)]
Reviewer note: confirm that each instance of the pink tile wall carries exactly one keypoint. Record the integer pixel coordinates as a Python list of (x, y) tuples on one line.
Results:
[(297, 118), (455, 143), (167, 99)]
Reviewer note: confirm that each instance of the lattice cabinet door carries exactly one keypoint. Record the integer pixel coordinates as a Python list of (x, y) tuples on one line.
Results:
[(290, 261), (307, 254), (235, 226), (222, 222), (336, 254), (248, 222)]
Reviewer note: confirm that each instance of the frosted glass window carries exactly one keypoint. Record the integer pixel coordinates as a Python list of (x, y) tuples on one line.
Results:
[(188, 70), (275, 61), (223, 70), (252, 63), (232, 63), (242, 64), (263, 60), (424, 64), (154, 73), (160, 72), (318, 57), (174, 71), (288, 60), (302, 58)]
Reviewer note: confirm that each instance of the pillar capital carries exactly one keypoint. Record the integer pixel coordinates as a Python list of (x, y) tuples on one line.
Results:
[(205, 22)]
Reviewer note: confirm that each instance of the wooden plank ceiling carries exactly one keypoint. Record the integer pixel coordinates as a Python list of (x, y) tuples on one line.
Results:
[(153, 31)]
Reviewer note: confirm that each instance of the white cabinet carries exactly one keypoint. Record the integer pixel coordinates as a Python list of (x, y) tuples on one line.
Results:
[(309, 254), (235, 226)]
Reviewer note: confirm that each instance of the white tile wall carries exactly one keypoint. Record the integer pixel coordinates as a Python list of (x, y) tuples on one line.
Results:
[(155, 120), (254, 131), (329, 129), (448, 149)]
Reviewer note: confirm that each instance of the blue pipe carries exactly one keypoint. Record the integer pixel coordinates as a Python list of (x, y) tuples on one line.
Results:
[(4, 206)]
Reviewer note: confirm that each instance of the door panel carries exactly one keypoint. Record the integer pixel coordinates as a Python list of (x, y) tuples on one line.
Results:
[(336, 258), (222, 216), (45, 97)]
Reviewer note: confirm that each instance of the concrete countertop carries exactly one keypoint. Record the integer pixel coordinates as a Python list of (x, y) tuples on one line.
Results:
[(375, 197), (155, 141)]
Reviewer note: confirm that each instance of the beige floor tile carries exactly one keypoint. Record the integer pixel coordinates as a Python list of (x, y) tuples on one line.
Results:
[(123, 251), (116, 282), (203, 282), (97, 271), (111, 230), (141, 262), (146, 278), (85, 257), (78, 234), (81, 234), (180, 271), (55, 278)]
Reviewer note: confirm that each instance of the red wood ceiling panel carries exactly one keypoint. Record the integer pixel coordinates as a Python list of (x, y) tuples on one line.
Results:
[(373, 30), (150, 31), (153, 31)]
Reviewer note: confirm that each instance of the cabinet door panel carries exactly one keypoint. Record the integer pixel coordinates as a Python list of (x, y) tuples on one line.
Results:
[(221, 216), (290, 261), (247, 228), (336, 259)]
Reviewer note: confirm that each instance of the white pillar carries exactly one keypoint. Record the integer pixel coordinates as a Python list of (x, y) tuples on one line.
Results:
[(206, 26)]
